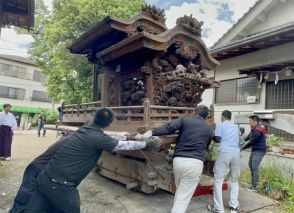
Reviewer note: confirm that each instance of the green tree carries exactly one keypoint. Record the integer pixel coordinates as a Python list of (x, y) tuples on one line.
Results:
[(69, 77)]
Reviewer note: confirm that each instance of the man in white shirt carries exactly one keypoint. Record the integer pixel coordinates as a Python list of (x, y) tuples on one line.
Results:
[(227, 134), (7, 126)]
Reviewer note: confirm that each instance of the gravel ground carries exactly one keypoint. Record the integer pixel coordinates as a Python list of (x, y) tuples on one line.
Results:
[(98, 194)]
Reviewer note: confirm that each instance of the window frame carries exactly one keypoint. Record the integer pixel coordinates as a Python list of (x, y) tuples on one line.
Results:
[(236, 102)]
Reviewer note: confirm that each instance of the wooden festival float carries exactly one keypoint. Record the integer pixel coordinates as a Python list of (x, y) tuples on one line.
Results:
[(149, 75)]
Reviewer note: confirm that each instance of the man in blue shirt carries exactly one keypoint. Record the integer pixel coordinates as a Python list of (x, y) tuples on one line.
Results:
[(227, 134)]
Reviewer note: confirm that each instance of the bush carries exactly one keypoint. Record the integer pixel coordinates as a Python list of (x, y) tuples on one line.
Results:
[(274, 140), (275, 184), (51, 118)]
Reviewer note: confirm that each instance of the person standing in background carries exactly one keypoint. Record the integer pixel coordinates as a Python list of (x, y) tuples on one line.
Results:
[(60, 112), (7, 126), (42, 121)]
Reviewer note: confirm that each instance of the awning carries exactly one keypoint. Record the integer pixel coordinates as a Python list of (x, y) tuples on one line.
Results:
[(25, 109)]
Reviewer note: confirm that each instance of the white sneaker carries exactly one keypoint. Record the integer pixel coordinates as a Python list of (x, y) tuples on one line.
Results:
[(213, 209), (7, 159)]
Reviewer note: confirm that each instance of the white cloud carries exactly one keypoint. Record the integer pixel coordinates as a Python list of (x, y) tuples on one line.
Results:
[(203, 10), (13, 43), (206, 10)]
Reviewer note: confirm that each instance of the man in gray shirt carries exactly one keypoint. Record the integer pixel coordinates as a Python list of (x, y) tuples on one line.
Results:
[(74, 160)]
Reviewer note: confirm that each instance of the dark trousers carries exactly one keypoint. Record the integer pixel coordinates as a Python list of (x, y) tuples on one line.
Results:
[(26, 189), (6, 135), (40, 127), (254, 162), (64, 198)]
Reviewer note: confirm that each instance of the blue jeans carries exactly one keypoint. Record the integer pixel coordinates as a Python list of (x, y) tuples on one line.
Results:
[(40, 127)]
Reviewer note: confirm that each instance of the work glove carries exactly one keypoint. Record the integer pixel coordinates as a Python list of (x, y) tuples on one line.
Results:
[(147, 134), (134, 136), (153, 141)]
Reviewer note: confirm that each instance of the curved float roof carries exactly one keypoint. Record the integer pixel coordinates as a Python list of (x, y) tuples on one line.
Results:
[(113, 38)]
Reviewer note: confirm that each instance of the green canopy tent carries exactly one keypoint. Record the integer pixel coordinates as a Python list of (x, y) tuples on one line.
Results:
[(25, 109)]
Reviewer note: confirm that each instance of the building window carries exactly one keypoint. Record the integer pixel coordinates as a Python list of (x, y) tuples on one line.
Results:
[(9, 92), (237, 90), (38, 76), (40, 96), (280, 95), (13, 71)]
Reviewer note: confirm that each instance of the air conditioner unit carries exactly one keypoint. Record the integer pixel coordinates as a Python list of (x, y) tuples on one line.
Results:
[(251, 99)]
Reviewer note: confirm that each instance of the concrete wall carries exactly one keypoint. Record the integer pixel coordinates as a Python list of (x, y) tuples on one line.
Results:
[(271, 160)]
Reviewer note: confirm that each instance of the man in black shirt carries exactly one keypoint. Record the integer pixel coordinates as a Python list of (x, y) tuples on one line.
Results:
[(74, 160), (193, 140), (29, 182)]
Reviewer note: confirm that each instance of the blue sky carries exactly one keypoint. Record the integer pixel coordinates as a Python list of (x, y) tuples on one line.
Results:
[(218, 17)]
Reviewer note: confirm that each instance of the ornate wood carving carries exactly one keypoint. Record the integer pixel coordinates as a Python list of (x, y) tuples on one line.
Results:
[(154, 13), (191, 24)]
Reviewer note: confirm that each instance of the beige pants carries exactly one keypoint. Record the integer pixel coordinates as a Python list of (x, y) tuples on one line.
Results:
[(187, 174)]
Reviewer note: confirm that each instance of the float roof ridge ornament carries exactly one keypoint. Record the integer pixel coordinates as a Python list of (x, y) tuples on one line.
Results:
[(154, 12), (191, 24)]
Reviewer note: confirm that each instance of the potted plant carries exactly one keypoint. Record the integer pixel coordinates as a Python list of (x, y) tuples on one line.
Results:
[(274, 143)]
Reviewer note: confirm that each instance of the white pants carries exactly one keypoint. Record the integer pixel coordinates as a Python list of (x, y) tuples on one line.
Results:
[(224, 162), (187, 174)]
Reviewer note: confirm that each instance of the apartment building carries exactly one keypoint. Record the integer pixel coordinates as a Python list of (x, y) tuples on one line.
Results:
[(22, 85)]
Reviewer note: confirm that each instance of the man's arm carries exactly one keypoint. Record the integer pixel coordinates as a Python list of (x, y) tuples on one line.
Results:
[(169, 128), (13, 123), (134, 145), (118, 137), (129, 145), (217, 134), (255, 136)]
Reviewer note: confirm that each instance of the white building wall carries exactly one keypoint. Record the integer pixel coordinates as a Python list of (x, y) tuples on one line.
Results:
[(280, 14), (28, 85), (229, 70)]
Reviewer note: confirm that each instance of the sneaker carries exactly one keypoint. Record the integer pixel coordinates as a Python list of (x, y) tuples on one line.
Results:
[(252, 189), (234, 210), (7, 159), (213, 209)]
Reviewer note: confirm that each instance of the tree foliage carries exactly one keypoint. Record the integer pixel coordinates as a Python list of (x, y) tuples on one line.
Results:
[(69, 77)]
